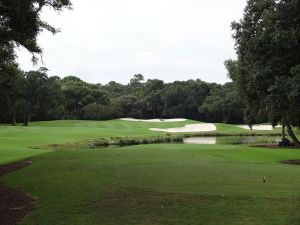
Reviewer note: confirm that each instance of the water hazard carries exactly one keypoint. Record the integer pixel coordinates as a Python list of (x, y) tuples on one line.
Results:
[(231, 140)]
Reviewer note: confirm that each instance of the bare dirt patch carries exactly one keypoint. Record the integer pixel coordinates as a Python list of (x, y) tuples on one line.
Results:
[(12, 167), (14, 204), (275, 146), (292, 162)]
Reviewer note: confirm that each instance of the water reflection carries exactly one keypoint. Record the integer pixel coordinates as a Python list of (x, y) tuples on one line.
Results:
[(201, 140), (231, 140)]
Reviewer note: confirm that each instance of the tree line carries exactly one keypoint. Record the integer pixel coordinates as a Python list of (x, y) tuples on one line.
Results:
[(35, 96), (265, 75)]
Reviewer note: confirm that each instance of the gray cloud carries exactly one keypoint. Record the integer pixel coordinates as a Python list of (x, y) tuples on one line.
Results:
[(107, 40)]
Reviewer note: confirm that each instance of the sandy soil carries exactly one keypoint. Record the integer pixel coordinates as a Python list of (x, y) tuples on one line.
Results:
[(154, 120), (258, 127), (201, 127), (14, 204)]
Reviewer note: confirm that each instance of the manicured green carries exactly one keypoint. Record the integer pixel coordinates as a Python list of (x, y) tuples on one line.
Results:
[(163, 184)]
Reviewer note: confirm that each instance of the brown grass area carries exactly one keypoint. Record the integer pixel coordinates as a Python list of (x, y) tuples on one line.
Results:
[(14, 204)]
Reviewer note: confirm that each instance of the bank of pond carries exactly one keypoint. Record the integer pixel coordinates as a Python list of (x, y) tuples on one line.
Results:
[(178, 139)]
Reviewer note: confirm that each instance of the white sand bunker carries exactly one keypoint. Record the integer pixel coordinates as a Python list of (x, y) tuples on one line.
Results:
[(201, 127), (259, 127), (154, 120)]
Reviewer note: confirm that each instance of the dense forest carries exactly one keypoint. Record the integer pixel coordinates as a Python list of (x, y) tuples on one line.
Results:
[(31, 96)]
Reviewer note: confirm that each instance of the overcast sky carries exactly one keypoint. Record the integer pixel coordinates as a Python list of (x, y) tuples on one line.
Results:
[(106, 40)]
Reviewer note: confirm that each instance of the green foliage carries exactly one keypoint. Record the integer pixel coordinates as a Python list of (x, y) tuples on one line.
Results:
[(9, 89), (35, 96), (223, 101), (136, 81), (21, 23), (43, 94), (31, 94), (96, 111), (79, 94), (182, 99), (267, 44)]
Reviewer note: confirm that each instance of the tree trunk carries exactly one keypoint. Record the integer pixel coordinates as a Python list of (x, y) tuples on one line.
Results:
[(26, 119), (14, 123), (283, 128), (153, 113), (283, 131), (25, 123), (226, 117), (292, 135)]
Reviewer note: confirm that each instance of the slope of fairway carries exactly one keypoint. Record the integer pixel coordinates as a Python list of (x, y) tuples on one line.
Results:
[(16, 142), (163, 184), (110, 124)]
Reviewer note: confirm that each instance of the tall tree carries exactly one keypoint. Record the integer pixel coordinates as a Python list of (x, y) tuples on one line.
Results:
[(42, 96), (9, 91), (224, 101), (79, 94), (266, 72), (152, 93), (20, 24)]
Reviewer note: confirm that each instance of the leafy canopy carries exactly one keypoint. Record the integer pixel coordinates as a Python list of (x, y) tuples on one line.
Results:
[(267, 70), (21, 22)]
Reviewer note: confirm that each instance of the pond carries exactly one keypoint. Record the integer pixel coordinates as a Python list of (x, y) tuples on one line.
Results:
[(235, 140)]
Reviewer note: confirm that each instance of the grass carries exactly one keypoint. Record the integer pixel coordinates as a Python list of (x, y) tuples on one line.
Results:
[(160, 184), (17, 143), (163, 184)]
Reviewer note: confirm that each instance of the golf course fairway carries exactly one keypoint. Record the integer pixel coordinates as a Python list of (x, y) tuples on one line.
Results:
[(158, 184)]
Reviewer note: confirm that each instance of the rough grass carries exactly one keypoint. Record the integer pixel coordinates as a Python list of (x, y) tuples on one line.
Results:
[(163, 184)]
